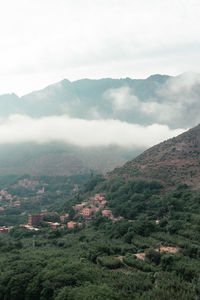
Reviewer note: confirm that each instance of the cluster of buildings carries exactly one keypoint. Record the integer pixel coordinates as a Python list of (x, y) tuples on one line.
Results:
[(34, 219), (4, 229), (86, 210), (28, 184), (5, 195), (14, 201), (31, 185), (89, 208)]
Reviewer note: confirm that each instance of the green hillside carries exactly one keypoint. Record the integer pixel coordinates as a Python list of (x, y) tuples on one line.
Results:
[(146, 248)]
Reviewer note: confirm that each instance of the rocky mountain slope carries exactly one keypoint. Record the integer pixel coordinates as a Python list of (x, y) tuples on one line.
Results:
[(172, 162)]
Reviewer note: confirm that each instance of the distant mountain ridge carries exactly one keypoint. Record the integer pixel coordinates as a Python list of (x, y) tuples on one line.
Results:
[(143, 100), (175, 161), (90, 91), (158, 99)]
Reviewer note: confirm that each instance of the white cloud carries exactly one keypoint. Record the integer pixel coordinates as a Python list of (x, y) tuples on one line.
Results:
[(122, 98), (84, 133), (175, 102), (181, 88)]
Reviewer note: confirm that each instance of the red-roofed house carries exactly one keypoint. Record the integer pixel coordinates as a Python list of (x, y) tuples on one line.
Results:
[(88, 212), (107, 213), (72, 224)]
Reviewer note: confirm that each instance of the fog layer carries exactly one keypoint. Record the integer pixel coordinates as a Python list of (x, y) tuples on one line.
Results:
[(79, 132)]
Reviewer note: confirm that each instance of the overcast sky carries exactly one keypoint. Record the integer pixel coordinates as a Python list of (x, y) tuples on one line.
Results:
[(44, 41)]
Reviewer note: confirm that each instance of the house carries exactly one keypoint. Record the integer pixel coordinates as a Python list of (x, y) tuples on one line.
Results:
[(3, 230), (117, 219), (72, 224), (16, 203), (28, 227), (76, 188), (34, 219), (8, 197), (54, 225), (99, 197), (64, 217), (78, 207), (3, 192), (107, 213), (88, 212), (41, 191), (102, 203)]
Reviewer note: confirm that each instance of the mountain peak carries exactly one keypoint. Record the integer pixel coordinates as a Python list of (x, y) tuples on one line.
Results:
[(158, 77)]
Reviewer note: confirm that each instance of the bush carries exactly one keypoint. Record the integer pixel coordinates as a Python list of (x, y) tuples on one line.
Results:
[(134, 262), (153, 256), (109, 262)]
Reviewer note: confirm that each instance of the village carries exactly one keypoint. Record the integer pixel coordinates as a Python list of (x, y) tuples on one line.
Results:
[(84, 211), (8, 200)]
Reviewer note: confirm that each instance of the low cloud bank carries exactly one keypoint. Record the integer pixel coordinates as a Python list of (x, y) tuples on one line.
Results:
[(79, 132)]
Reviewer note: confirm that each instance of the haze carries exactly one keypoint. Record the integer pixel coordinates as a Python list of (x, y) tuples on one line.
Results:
[(45, 41)]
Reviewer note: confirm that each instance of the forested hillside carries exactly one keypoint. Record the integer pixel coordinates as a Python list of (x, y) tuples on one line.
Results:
[(153, 253), (60, 159), (121, 238)]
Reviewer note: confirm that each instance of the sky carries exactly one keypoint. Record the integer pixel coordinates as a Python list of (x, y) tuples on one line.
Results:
[(44, 41)]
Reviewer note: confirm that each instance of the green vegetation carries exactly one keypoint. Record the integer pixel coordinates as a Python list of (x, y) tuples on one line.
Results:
[(56, 190), (98, 261)]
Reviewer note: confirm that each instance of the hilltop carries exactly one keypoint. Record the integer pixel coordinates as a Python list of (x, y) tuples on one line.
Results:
[(172, 162)]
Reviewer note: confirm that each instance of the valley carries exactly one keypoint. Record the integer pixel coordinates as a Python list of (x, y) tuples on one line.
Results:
[(113, 236)]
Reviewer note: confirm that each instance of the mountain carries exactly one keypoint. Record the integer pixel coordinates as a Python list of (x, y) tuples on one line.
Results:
[(172, 162), (60, 159), (158, 99), (163, 99), (79, 98)]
